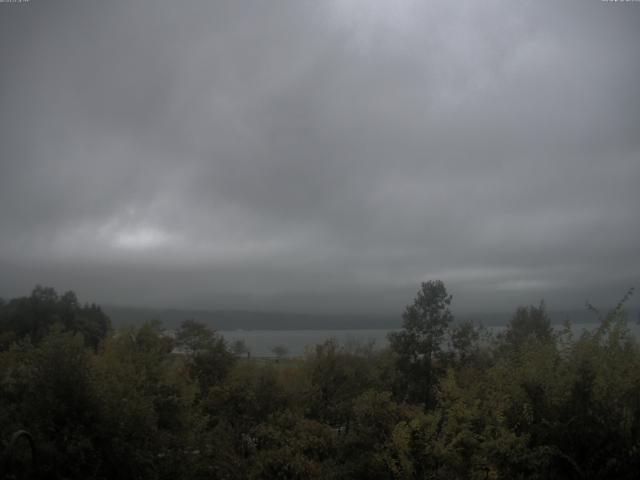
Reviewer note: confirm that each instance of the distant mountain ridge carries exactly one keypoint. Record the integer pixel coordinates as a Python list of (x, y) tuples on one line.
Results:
[(250, 320), (261, 320)]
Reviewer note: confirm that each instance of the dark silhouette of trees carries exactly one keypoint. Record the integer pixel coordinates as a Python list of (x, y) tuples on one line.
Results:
[(280, 351), (239, 348), (533, 403), (528, 323), (419, 345), (34, 316), (208, 358)]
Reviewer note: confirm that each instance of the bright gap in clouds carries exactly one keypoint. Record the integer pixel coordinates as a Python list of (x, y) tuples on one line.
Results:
[(141, 238)]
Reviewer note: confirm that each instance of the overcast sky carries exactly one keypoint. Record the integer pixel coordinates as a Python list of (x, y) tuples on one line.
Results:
[(320, 156)]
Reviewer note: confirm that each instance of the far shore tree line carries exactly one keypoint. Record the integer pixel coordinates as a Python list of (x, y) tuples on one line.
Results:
[(445, 399)]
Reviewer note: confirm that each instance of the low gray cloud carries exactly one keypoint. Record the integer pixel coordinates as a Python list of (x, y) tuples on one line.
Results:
[(320, 156)]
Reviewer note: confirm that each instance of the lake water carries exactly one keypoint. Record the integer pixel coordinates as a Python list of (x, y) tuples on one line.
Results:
[(261, 342)]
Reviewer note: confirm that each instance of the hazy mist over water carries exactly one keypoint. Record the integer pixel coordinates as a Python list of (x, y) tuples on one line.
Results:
[(296, 342)]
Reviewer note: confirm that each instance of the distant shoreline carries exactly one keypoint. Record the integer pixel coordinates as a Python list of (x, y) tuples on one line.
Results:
[(230, 320)]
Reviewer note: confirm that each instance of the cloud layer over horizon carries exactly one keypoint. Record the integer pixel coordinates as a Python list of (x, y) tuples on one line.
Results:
[(320, 156)]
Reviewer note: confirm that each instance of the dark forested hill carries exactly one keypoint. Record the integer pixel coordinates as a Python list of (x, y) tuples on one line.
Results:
[(261, 320), (251, 320)]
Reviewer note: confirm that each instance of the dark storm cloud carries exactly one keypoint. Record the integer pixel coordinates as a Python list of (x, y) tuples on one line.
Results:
[(320, 155)]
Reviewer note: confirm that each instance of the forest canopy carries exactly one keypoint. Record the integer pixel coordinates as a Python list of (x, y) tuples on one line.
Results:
[(445, 400)]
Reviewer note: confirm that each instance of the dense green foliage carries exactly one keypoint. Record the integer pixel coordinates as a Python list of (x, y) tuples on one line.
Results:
[(34, 316), (443, 402)]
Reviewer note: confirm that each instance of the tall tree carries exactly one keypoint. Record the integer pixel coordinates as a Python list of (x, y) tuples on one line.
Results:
[(208, 358), (527, 323), (418, 345)]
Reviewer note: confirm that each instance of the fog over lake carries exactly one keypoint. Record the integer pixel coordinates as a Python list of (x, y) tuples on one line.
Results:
[(261, 342)]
